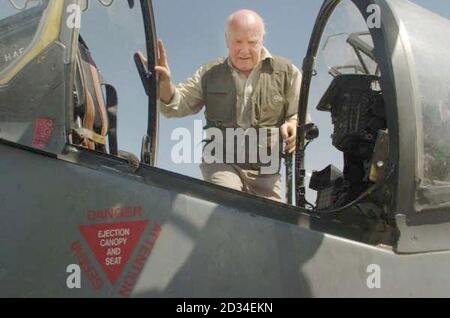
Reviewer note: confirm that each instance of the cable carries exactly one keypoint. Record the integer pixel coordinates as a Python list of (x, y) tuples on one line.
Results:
[(357, 200), (310, 205), (350, 204), (306, 145)]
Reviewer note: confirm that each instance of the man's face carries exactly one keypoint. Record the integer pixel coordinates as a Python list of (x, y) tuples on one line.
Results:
[(245, 46)]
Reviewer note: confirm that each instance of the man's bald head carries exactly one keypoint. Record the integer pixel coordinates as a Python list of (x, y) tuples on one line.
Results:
[(244, 20), (245, 36)]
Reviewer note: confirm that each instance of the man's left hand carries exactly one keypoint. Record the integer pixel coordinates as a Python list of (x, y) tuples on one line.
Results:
[(289, 134)]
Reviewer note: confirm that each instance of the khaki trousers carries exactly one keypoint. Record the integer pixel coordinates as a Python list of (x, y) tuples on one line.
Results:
[(250, 181)]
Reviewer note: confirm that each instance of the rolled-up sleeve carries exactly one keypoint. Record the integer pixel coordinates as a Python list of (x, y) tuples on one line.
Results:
[(188, 97)]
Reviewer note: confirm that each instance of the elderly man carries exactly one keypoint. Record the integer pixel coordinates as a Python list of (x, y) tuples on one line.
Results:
[(251, 89)]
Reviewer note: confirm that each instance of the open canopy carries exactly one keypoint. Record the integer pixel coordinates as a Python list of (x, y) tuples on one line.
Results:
[(39, 50), (401, 50)]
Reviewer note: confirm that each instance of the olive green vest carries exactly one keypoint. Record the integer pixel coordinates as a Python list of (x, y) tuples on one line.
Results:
[(269, 104), (268, 101)]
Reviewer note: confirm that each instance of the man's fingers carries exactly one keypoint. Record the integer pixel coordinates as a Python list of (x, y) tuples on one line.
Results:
[(284, 132), (290, 150), (289, 135), (162, 72), (290, 142), (290, 146), (292, 130), (162, 60), (160, 48), (142, 57), (291, 139)]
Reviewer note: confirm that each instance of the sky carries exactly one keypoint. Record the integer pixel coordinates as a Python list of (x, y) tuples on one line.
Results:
[(193, 33)]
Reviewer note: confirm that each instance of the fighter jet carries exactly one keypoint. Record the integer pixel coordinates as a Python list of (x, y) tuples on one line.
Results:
[(85, 216)]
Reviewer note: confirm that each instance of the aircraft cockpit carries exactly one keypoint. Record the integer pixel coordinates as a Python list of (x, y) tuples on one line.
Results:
[(79, 54), (375, 83)]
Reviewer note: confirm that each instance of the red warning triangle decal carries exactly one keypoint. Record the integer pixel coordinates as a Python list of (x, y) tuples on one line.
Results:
[(113, 244)]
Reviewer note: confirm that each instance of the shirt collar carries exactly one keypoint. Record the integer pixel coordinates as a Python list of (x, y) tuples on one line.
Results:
[(265, 54)]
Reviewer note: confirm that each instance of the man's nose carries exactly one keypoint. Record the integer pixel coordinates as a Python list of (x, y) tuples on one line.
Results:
[(244, 49)]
